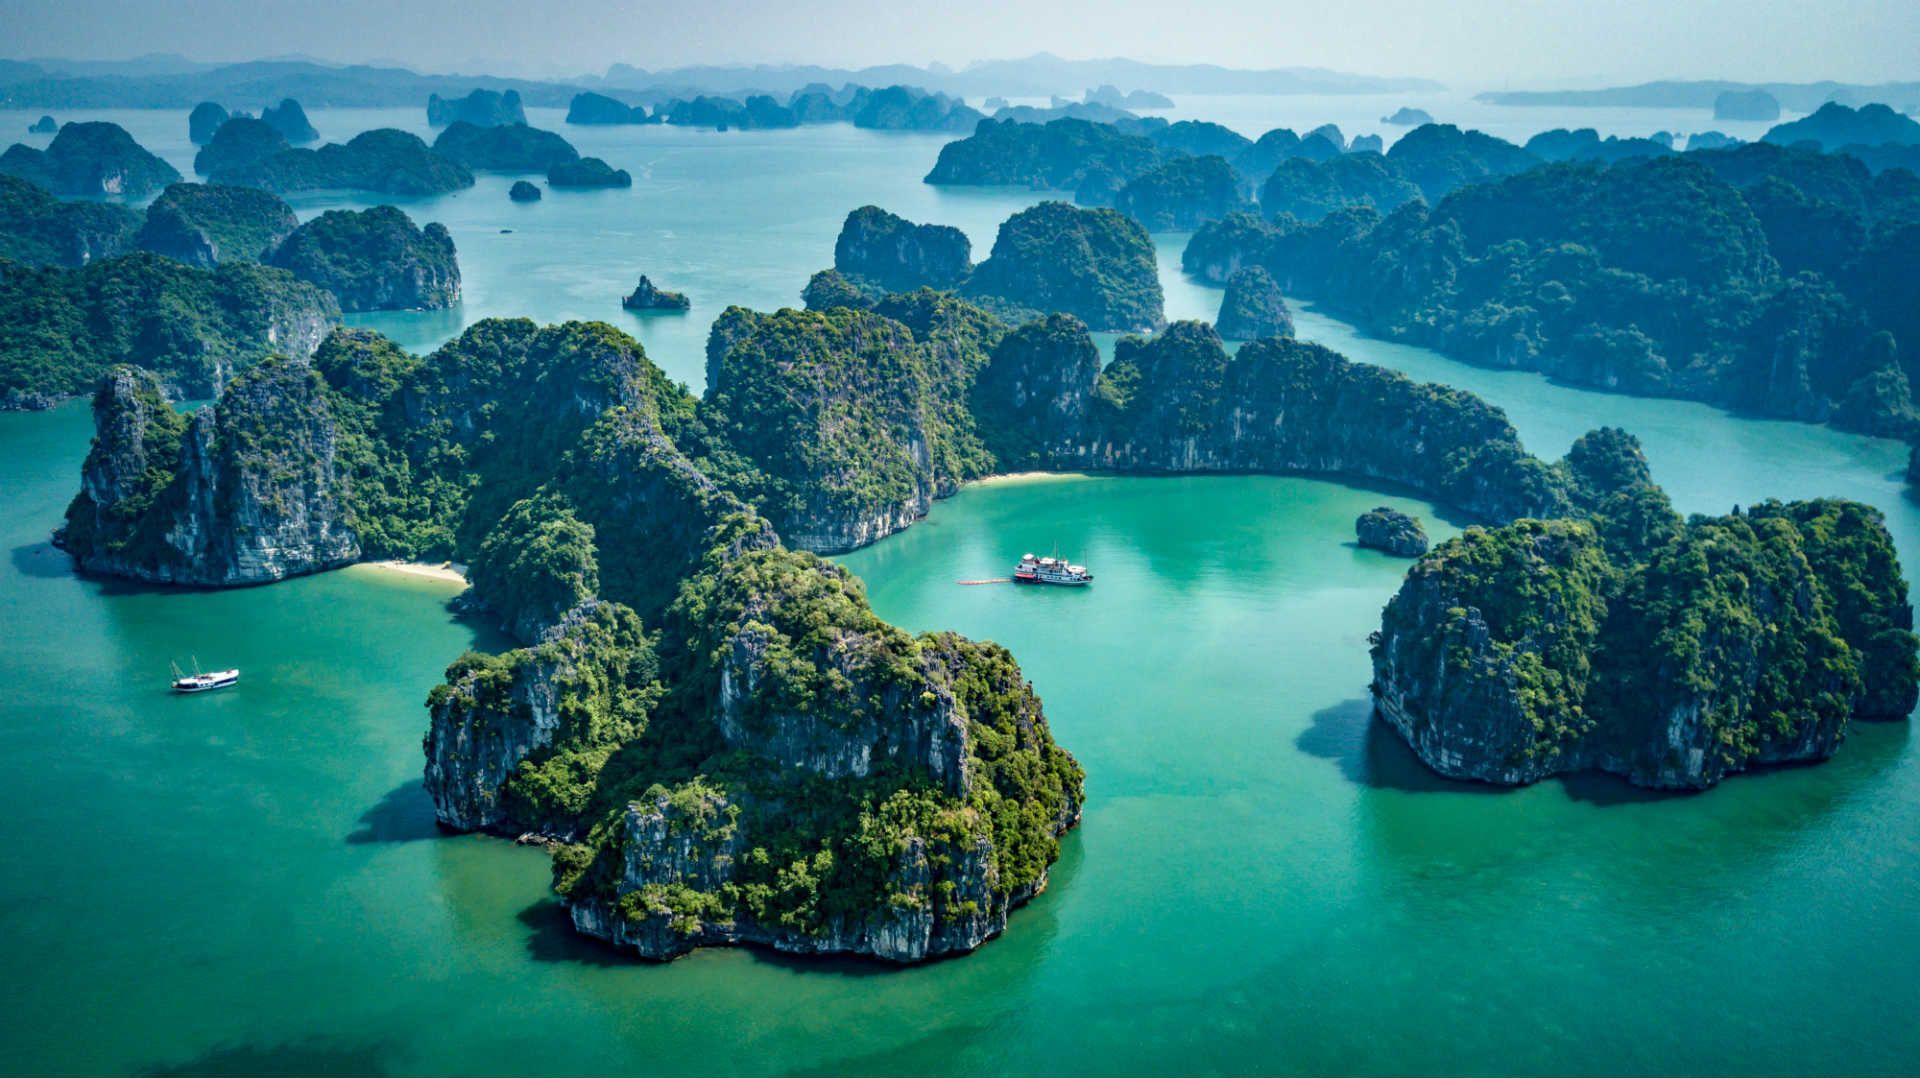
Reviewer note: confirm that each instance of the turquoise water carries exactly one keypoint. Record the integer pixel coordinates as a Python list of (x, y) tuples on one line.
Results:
[(1264, 881)]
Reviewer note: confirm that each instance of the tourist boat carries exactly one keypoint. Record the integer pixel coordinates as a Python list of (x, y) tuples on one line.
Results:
[(199, 682), (1032, 570)]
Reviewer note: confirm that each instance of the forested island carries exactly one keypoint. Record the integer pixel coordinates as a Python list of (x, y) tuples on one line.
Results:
[(90, 158), (1761, 278), (1096, 265)]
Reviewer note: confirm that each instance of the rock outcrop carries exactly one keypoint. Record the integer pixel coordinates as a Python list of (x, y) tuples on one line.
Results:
[(1671, 654), (43, 126), (592, 108), (853, 419), (374, 260), (204, 224), (37, 229), (522, 191), (241, 493), (203, 121), (897, 255), (1746, 105), (384, 160), (1253, 307), (588, 172), (1182, 194), (90, 159), (290, 120), (1097, 265), (481, 108), (195, 328), (645, 297), (1386, 528), (236, 144), (511, 147), (682, 866), (1407, 116)]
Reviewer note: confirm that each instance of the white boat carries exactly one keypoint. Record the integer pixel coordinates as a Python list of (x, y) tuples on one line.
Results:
[(1032, 570), (199, 682)]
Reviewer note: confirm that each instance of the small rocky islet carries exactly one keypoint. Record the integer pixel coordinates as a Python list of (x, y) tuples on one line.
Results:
[(609, 504)]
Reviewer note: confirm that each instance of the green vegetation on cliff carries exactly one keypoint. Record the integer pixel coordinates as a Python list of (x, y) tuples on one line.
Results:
[(511, 147), (37, 229), (191, 326), (204, 224), (383, 160), (1097, 265), (1752, 278), (90, 159), (1670, 652), (375, 259)]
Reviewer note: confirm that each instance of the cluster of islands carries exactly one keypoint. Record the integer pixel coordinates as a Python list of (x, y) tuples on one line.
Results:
[(717, 738)]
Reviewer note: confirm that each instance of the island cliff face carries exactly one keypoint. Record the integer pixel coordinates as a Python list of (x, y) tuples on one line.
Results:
[(243, 492), (204, 224), (383, 160), (90, 159), (814, 714), (853, 420), (896, 255), (195, 328), (1097, 265), (1671, 653), (513, 147), (481, 108), (374, 260)]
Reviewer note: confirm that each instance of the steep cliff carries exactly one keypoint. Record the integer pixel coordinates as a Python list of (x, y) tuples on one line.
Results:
[(481, 108), (193, 327), (37, 229), (1672, 656), (203, 121), (1253, 307), (1097, 265), (512, 147), (375, 259), (896, 255), (90, 159), (204, 224), (843, 425), (1182, 194), (236, 144), (251, 492), (862, 791)]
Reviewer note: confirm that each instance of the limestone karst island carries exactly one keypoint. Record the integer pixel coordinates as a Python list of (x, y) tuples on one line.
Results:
[(988, 540)]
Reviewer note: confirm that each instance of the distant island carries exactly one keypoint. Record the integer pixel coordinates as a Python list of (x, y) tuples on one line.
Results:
[(587, 172), (508, 147), (1755, 239), (90, 158), (1406, 116), (386, 161), (1746, 105), (374, 260), (481, 108), (1797, 96), (106, 85)]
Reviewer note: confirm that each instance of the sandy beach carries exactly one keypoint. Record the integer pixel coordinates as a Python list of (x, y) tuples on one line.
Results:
[(452, 572)]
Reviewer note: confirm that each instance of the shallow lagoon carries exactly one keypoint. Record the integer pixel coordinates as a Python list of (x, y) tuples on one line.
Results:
[(1265, 880)]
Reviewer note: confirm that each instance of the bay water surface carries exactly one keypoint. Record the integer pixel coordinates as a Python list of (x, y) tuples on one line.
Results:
[(1265, 879)]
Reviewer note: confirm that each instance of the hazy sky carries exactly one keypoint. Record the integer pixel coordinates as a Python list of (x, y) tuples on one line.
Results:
[(1467, 43)]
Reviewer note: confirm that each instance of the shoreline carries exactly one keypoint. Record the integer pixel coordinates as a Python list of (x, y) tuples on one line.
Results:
[(450, 572), (1003, 478)]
